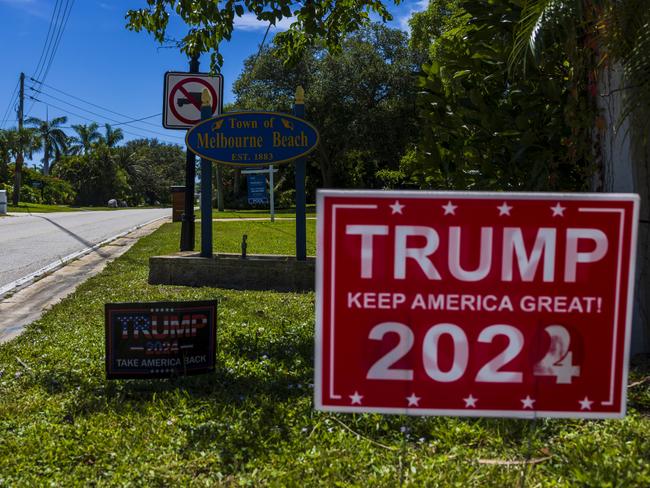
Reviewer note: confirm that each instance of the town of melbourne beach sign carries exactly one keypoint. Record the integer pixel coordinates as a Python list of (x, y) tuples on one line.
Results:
[(252, 138)]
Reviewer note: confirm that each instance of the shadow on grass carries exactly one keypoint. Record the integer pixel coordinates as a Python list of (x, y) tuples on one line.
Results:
[(58, 381), (246, 413)]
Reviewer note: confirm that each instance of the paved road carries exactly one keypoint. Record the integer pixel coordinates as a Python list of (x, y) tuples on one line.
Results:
[(29, 242)]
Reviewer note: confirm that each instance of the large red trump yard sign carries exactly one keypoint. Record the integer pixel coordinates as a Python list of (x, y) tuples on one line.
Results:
[(495, 304)]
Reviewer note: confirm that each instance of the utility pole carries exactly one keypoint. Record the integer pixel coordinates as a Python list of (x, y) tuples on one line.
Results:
[(188, 224), (19, 157)]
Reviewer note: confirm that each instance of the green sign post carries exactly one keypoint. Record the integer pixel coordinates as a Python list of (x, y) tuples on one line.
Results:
[(301, 171), (206, 187)]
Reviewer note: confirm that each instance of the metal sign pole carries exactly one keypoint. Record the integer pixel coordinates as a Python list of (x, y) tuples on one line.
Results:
[(206, 186), (187, 225), (301, 211), (271, 195)]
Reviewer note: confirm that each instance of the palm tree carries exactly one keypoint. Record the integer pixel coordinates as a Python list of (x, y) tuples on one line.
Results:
[(5, 142), (112, 137), (53, 137), (87, 135), (21, 142)]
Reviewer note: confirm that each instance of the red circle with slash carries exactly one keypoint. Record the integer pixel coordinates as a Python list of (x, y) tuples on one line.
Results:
[(180, 87)]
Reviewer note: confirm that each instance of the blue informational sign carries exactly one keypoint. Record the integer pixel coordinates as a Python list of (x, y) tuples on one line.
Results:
[(257, 192), (252, 139)]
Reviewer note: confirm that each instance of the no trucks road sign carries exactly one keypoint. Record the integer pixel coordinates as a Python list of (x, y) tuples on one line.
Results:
[(182, 98), (474, 304)]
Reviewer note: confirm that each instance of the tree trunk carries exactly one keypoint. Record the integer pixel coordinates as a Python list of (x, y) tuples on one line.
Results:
[(236, 185), (625, 165), (4, 170), (18, 178), (325, 168), (219, 188), (46, 157)]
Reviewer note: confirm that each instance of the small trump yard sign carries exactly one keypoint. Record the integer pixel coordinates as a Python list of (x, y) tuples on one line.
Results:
[(160, 340)]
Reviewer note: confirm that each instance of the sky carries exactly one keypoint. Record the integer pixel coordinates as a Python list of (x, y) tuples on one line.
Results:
[(104, 73)]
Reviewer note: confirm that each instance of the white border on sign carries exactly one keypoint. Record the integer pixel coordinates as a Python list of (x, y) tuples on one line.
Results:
[(391, 194), (617, 293), (166, 89)]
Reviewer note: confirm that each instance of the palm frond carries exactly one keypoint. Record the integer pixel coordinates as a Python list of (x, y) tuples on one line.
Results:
[(528, 28), (555, 18)]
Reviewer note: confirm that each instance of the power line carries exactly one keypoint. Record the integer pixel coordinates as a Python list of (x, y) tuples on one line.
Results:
[(87, 118), (51, 41), (139, 120), (58, 41), (48, 40), (259, 51), (91, 120), (11, 102), (60, 14), (47, 45), (121, 122), (129, 121), (89, 103)]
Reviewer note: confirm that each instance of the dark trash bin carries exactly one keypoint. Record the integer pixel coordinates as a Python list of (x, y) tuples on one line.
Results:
[(178, 203)]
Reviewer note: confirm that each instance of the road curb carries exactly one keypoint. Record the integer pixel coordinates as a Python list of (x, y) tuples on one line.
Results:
[(36, 275)]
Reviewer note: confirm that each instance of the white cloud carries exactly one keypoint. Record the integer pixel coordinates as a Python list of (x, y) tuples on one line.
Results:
[(248, 22), (414, 7), (30, 7)]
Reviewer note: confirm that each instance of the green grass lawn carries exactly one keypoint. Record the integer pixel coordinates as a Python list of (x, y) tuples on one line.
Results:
[(263, 237), (252, 422), (43, 208)]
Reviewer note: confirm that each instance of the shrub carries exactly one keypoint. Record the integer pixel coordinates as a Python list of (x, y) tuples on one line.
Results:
[(30, 195), (57, 191)]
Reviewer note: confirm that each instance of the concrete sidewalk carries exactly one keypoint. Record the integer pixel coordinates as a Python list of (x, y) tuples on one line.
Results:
[(28, 304)]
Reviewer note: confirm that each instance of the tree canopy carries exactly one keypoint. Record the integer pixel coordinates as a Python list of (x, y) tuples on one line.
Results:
[(209, 23), (489, 127), (92, 171), (362, 100)]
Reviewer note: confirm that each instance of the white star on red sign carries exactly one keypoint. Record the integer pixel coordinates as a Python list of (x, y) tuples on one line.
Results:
[(558, 210), (413, 400), (504, 209), (470, 401), (356, 398), (585, 404), (450, 208), (396, 208), (527, 402)]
